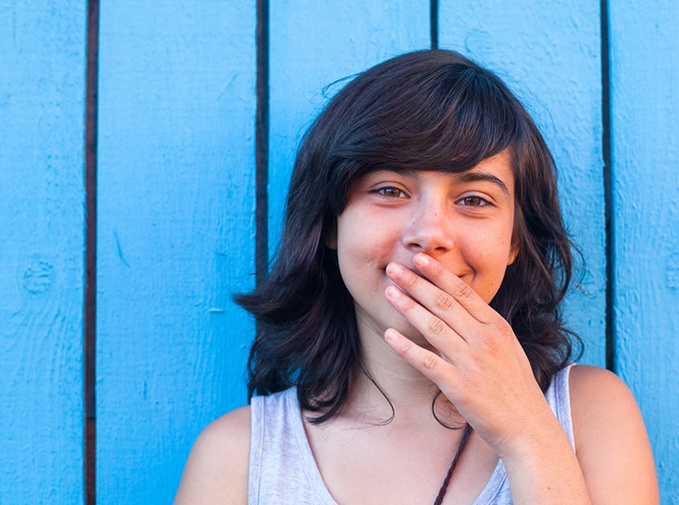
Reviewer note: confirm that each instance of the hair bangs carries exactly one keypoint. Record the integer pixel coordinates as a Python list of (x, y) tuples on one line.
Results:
[(448, 119)]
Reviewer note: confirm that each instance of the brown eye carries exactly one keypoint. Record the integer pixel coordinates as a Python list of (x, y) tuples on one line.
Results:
[(391, 192), (474, 201)]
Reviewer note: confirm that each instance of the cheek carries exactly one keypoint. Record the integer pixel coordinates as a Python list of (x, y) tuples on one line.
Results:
[(506, 243), (366, 241), (489, 260), (360, 252)]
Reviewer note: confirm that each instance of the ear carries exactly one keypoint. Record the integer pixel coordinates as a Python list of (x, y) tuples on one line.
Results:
[(331, 238), (517, 237), (513, 253)]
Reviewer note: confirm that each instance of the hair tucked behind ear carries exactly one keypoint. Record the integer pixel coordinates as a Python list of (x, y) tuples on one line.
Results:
[(429, 110)]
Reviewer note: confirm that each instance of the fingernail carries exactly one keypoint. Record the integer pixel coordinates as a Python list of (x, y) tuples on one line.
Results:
[(391, 336), (394, 269), (393, 291), (421, 260)]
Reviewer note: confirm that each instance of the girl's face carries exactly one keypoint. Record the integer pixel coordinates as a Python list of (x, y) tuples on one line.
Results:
[(464, 220)]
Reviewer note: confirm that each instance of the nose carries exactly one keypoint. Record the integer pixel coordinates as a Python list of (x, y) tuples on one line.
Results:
[(430, 230)]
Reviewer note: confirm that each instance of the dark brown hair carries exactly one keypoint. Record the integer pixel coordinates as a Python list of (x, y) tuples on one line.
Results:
[(427, 110)]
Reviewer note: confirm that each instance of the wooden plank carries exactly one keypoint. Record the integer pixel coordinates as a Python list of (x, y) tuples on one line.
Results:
[(549, 54), (312, 55), (42, 111), (644, 42), (176, 234)]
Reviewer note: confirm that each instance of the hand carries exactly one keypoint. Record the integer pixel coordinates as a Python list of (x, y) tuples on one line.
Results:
[(481, 367)]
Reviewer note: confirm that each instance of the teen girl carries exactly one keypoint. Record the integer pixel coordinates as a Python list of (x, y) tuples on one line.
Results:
[(410, 346)]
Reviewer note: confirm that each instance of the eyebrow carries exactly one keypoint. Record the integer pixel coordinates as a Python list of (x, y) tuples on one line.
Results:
[(480, 176), (462, 177)]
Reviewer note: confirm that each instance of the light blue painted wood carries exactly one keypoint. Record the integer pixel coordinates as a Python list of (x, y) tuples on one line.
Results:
[(176, 205), (42, 111), (549, 54), (644, 41), (176, 234), (313, 45)]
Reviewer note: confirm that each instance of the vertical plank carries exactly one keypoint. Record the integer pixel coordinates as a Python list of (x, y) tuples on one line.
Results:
[(42, 110), (644, 42), (549, 54), (311, 56), (176, 234)]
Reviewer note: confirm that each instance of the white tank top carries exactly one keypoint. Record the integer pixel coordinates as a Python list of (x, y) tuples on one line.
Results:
[(283, 470)]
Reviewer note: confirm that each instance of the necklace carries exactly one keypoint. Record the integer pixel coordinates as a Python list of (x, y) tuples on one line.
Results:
[(446, 481)]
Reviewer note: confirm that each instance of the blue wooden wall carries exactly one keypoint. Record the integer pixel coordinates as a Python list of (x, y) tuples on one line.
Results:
[(177, 192), (42, 117)]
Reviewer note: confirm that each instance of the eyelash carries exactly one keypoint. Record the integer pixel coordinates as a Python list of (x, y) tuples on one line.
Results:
[(479, 202), (384, 190)]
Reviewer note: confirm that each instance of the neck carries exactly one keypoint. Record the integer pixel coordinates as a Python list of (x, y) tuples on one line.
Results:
[(410, 393)]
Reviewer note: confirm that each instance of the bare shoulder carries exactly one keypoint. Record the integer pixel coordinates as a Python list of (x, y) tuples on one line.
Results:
[(611, 442), (217, 468), (594, 388)]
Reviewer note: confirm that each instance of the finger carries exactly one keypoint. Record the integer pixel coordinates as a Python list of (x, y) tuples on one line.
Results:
[(428, 363), (456, 287), (434, 329), (434, 299)]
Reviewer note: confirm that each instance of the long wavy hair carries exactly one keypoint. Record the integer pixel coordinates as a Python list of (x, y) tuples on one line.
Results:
[(426, 110)]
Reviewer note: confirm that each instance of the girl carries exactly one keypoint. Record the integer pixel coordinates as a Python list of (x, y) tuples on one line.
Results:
[(410, 340)]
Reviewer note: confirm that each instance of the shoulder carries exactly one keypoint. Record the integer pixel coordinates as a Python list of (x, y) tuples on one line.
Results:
[(610, 438), (599, 396), (597, 389), (217, 468)]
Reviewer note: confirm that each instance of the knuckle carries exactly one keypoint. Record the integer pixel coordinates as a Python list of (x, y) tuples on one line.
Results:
[(501, 329), (436, 326), (463, 292), (409, 279), (406, 346), (408, 304), (505, 328), (437, 269), (444, 301), (429, 361)]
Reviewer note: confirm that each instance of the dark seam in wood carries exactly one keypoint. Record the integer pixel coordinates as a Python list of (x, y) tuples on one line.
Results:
[(90, 294), (262, 143), (608, 186), (434, 23)]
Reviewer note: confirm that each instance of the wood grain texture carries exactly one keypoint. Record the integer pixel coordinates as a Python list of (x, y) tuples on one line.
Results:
[(177, 205), (549, 54), (315, 48), (42, 110), (176, 234), (644, 42)]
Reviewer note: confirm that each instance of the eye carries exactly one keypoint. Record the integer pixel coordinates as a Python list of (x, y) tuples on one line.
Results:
[(474, 201), (390, 192)]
